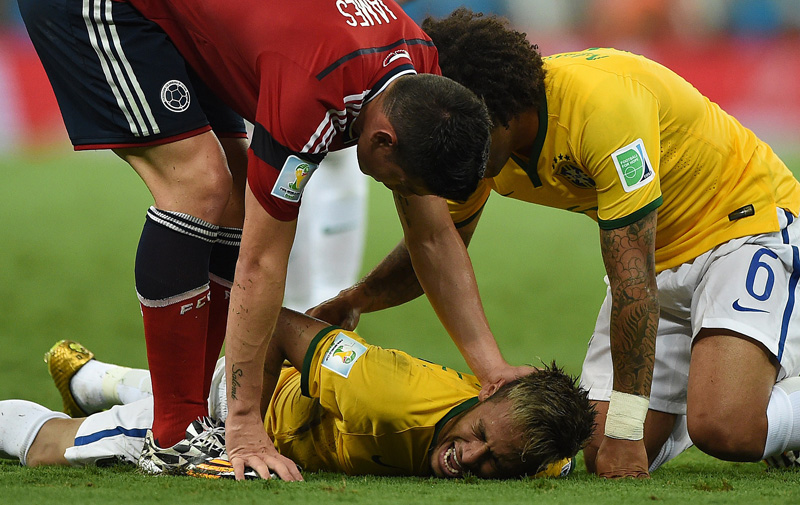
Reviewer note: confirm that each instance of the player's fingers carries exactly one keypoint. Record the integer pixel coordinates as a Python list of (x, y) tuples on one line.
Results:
[(238, 468), (261, 468), (350, 322), (624, 474), (287, 470)]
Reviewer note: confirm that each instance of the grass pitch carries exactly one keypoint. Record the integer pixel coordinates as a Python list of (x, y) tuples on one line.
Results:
[(71, 224)]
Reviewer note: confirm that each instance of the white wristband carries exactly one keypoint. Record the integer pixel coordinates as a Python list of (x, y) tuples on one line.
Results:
[(625, 418)]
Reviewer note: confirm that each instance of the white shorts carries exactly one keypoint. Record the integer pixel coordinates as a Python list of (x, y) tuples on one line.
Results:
[(747, 285), (112, 435), (118, 434)]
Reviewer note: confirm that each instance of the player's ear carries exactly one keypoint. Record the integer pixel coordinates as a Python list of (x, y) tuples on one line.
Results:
[(488, 391), (384, 137)]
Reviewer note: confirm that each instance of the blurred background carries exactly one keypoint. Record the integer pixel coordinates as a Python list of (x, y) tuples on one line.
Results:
[(743, 54), (70, 221)]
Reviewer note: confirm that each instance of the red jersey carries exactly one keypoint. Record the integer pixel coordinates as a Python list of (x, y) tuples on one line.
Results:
[(299, 70)]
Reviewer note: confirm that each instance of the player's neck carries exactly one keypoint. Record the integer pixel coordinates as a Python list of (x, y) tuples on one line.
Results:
[(517, 138), (523, 131)]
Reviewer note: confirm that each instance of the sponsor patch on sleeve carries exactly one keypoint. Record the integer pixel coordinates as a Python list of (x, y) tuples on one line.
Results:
[(292, 179), (633, 166), (342, 355)]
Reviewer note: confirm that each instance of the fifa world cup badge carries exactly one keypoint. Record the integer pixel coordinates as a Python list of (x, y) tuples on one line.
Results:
[(293, 178), (343, 354)]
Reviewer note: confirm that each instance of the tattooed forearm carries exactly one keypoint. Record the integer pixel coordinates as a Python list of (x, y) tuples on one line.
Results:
[(235, 374), (629, 258)]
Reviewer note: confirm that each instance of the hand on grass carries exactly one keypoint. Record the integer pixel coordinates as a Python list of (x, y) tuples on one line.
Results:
[(249, 446), (618, 459)]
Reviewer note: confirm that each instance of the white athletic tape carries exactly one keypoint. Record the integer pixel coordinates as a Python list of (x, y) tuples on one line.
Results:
[(625, 418)]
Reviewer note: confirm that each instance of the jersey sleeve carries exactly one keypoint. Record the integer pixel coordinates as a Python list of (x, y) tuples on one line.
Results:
[(622, 153), (291, 104), (463, 213)]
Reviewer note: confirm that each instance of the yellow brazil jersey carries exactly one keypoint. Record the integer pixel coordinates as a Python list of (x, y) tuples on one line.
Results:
[(621, 135), (361, 409)]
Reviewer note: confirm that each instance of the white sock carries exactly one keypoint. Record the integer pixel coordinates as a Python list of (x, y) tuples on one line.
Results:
[(663, 455), (20, 422), (126, 385), (677, 442), (218, 396), (783, 418), (98, 386)]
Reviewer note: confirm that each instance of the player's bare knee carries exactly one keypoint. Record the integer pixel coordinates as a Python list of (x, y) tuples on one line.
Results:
[(724, 438), (216, 184)]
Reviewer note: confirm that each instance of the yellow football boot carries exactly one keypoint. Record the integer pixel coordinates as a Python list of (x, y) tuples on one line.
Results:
[(64, 360)]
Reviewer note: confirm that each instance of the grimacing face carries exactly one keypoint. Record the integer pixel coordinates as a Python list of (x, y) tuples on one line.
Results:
[(483, 441)]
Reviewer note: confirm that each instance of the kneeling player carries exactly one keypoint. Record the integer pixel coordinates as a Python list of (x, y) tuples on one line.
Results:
[(346, 406)]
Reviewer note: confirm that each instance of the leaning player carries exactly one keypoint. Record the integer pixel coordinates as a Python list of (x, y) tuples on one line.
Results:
[(324, 414), (312, 76), (698, 232)]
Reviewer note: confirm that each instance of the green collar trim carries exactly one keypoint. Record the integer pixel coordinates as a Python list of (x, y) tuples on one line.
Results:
[(536, 150), (458, 409), (312, 348)]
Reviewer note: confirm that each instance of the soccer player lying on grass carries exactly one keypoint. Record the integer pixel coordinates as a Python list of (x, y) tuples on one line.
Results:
[(699, 234), (347, 406)]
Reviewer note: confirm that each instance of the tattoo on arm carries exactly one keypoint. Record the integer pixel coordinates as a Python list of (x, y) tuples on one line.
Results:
[(629, 258), (235, 374)]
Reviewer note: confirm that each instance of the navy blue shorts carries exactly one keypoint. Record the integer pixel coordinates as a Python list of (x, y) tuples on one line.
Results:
[(118, 79)]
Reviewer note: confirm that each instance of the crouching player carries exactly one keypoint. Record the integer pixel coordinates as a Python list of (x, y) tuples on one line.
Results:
[(346, 406)]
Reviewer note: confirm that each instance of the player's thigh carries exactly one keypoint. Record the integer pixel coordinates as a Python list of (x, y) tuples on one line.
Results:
[(730, 376), (188, 175), (229, 127), (730, 382), (748, 335), (236, 155)]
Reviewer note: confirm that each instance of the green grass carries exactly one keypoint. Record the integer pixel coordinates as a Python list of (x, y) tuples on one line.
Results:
[(71, 223)]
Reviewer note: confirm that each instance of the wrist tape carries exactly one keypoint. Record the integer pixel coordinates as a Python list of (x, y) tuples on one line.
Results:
[(625, 418)]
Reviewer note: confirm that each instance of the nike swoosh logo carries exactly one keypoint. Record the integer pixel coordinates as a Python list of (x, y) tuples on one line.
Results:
[(740, 308), (377, 459)]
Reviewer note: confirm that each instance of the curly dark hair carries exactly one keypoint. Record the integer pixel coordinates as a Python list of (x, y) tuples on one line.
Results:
[(496, 62)]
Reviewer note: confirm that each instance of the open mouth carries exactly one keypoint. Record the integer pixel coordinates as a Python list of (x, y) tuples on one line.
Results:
[(450, 462)]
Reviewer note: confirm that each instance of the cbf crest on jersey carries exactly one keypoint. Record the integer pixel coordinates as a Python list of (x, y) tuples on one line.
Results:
[(565, 166), (292, 179), (633, 166), (342, 354)]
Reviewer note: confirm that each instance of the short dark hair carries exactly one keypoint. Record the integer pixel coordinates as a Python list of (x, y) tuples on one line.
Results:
[(553, 413), (497, 63), (443, 133)]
